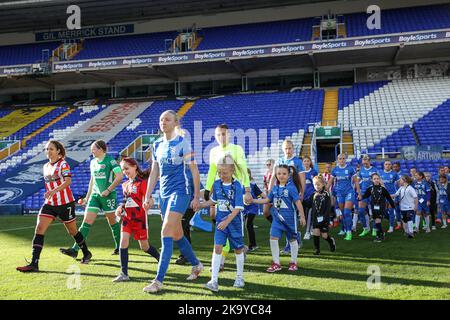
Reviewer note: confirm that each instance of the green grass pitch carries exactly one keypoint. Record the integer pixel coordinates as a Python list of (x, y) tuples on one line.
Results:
[(409, 269)]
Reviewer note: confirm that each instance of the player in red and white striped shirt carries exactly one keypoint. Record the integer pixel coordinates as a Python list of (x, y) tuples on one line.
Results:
[(55, 174), (59, 202)]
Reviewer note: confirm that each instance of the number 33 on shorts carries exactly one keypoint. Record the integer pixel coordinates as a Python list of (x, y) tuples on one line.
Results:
[(107, 204)]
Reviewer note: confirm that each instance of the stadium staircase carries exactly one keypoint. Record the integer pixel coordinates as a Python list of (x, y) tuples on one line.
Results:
[(342, 30), (35, 133), (67, 51), (197, 42), (306, 145), (315, 33), (57, 130), (185, 108), (348, 147), (416, 137), (330, 107)]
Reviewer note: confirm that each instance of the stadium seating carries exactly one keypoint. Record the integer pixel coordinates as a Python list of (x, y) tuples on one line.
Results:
[(298, 108), (393, 21), (149, 122), (4, 112), (358, 91), (434, 128), (25, 53), (393, 142), (390, 108), (431, 166), (58, 130), (285, 112), (121, 46), (428, 131), (256, 34), (401, 20)]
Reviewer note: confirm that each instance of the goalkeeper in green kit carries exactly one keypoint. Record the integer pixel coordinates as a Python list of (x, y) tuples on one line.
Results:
[(106, 175)]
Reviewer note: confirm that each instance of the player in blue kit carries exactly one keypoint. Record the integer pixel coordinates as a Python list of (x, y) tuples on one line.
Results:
[(309, 173), (285, 199), (343, 175), (365, 181), (228, 197), (423, 191), (289, 159), (172, 157), (389, 179), (185, 221), (443, 188)]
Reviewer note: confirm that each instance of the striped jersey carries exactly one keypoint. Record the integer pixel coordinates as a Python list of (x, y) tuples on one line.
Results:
[(55, 174)]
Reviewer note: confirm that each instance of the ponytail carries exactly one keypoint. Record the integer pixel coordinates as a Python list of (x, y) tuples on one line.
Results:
[(295, 178)]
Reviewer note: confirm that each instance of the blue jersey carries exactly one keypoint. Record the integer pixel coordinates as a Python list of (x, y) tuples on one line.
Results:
[(283, 199), (256, 192), (191, 183), (423, 190), (442, 194), (365, 176), (309, 188), (171, 156), (227, 198), (389, 179), (294, 162), (343, 179)]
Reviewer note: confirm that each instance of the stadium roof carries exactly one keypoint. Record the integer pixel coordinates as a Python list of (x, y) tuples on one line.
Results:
[(32, 15)]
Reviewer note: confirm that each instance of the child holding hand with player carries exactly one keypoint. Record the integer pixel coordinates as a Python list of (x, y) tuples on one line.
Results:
[(134, 215), (284, 196), (227, 195)]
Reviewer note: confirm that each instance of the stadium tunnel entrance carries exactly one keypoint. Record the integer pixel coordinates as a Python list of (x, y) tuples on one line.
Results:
[(326, 150)]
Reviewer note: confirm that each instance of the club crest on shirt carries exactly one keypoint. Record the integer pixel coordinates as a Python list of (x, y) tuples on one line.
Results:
[(49, 178)]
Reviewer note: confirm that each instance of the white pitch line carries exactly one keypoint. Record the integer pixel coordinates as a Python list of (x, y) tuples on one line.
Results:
[(32, 227)]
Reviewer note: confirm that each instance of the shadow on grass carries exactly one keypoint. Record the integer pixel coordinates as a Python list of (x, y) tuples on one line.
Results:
[(336, 275), (254, 290), (381, 260), (176, 283)]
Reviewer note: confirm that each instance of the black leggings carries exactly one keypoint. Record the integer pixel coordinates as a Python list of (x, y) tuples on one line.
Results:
[(250, 230), (433, 210), (307, 205), (185, 223)]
